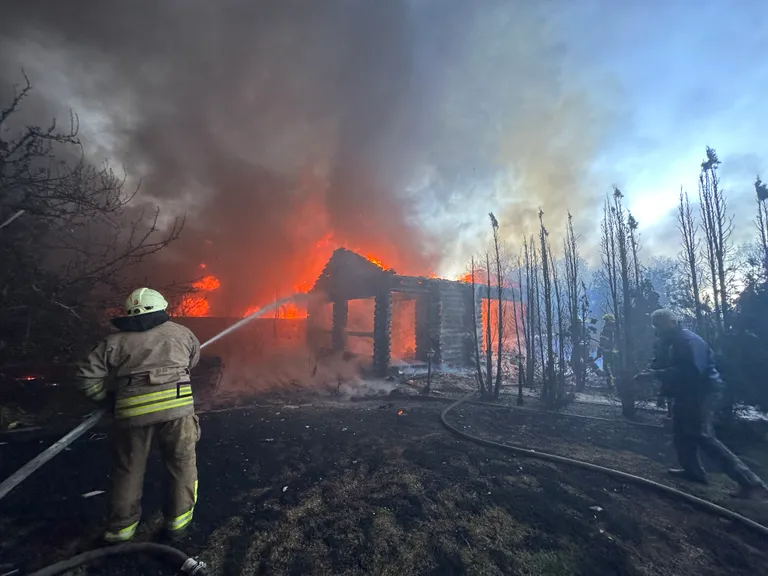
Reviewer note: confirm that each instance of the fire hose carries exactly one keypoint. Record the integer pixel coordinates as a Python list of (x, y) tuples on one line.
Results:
[(92, 420), (184, 562), (674, 493)]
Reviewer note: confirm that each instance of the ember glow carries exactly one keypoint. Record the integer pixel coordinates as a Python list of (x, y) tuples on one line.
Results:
[(403, 328)]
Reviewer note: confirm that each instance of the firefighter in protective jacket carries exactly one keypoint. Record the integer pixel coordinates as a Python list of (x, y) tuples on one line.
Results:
[(146, 364)]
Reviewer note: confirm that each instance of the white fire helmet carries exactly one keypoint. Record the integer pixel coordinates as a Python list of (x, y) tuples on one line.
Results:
[(144, 301)]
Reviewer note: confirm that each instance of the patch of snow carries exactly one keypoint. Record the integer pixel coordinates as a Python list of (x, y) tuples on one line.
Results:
[(751, 414)]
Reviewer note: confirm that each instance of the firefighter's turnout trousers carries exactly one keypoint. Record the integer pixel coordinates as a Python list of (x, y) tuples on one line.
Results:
[(144, 414)]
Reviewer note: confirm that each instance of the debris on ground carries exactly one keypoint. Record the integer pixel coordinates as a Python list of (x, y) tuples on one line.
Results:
[(92, 494)]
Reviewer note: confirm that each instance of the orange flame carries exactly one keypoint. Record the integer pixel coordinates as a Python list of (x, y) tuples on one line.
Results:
[(207, 284), (192, 306), (197, 305), (399, 412), (371, 258)]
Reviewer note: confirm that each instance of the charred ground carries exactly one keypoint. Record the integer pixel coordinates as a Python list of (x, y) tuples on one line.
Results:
[(354, 488)]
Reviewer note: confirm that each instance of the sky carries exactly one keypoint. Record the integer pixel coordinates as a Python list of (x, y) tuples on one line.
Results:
[(676, 77), (463, 108), (693, 74)]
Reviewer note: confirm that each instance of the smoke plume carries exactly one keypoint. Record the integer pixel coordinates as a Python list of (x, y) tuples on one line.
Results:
[(272, 124)]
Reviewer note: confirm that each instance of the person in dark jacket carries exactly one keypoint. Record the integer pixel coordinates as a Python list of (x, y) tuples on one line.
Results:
[(660, 353), (685, 365)]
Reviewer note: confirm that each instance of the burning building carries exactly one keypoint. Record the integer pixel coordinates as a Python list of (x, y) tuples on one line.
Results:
[(438, 313)]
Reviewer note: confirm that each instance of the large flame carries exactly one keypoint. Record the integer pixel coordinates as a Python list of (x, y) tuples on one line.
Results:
[(313, 230), (196, 304)]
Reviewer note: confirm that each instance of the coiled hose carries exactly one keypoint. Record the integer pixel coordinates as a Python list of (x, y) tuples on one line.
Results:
[(674, 493), (184, 562)]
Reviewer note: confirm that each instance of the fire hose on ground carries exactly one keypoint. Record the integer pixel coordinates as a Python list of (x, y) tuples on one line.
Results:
[(674, 493), (185, 563), (192, 566)]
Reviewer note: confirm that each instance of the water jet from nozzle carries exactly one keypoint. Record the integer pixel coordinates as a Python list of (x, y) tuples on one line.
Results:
[(298, 297)]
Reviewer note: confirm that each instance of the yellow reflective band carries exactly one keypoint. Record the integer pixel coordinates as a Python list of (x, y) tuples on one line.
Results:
[(154, 407), (195, 491), (88, 390), (121, 535), (184, 390), (181, 521), (100, 395)]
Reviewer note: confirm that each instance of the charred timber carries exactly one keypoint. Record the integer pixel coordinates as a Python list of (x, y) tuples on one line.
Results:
[(382, 320), (340, 316), (360, 334), (422, 324)]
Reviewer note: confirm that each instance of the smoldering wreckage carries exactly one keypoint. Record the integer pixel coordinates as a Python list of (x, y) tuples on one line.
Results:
[(441, 314)]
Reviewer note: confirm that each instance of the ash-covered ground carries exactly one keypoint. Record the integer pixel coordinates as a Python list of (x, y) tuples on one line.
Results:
[(302, 485)]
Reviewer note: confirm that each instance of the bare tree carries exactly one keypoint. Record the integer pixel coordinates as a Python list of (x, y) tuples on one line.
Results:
[(617, 255), (548, 389), (521, 320), (476, 336), (624, 328), (761, 191), (70, 238), (610, 271), (576, 296), (718, 227), (634, 248), (530, 319), (488, 329), (559, 314), (690, 256), (500, 288)]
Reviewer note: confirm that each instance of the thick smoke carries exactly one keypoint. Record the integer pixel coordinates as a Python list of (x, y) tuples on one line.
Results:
[(270, 122)]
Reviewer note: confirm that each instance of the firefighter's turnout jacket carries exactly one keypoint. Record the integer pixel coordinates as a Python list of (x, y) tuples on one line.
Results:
[(147, 364)]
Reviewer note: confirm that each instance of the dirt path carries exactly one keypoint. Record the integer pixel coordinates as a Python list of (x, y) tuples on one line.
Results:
[(361, 490)]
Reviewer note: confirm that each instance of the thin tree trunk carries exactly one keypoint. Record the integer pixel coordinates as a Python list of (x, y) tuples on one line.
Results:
[(708, 223), (545, 265), (761, 191), (624, 327), (560, 391), (474, 327), (690, 257), (489, 333)]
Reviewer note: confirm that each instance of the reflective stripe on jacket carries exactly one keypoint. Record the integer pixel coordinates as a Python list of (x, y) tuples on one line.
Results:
[(148, 371), (143, 403)]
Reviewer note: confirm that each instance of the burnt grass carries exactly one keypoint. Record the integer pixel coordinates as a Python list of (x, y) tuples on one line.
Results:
[(359, 489)]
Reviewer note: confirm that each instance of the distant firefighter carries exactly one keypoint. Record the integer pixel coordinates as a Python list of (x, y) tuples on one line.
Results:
[(580, 358), (607, 348), (685, 365), (148, 365)]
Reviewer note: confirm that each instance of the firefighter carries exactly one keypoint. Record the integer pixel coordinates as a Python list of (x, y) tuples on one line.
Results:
[(145, 367), (607, 348), (686, 368)]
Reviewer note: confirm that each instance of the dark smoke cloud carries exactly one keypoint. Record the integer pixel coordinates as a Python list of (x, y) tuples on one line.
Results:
[(238, 111)]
